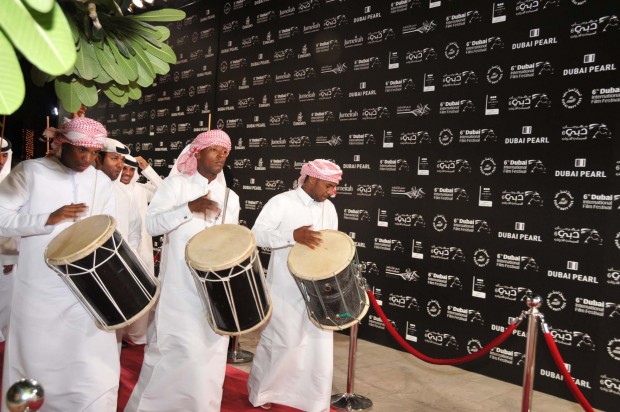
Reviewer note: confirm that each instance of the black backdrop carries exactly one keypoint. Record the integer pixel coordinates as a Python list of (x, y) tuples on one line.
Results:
[(479, 148)]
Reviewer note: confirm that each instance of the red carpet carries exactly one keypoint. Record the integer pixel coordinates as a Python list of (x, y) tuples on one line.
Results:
[(235, 397)]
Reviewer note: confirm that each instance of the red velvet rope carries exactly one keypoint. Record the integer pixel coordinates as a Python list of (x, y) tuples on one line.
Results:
[(559, 362), (454, 361)]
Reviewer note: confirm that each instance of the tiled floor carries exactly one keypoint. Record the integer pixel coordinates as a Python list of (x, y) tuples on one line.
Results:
[(397, 381)]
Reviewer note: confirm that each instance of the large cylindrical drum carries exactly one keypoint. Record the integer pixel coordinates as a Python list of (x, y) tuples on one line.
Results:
[(329, 280), (105, 274), (224, 262)]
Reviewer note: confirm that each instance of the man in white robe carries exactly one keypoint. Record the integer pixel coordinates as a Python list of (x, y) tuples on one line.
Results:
[(185, 360), (110, 161), (293, 363), (140, 196), (8, 251), (143, 194), (53, 338), (128, 222)]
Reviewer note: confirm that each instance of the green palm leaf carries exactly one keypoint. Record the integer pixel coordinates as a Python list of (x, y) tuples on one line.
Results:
[(121, 101), (86, 92), (108, 64), (164, 15), (42, 6), (66, 94), (43, 38), (129, 67), (86, 62), (12, 87), (39, 78), (164, 53)]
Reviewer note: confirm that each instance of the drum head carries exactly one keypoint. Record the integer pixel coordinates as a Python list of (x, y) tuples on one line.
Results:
[(327, 260), (219, 247), (79, 240)]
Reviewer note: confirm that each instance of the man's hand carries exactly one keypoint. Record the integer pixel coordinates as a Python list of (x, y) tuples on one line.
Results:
[(142, 164), (7, 269), (307, 237), (205, 205), (68, 212)]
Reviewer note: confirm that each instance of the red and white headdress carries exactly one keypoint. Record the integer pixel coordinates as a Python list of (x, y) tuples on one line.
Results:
[(187, 162), (80, 131), (321, 169)]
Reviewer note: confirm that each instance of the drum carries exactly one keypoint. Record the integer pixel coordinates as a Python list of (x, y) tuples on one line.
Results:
[(330, 282), (231, 283), (107, 277)]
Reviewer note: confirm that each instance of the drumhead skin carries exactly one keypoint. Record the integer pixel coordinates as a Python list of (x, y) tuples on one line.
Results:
[(79, 240), (325, 261), (219, 247)]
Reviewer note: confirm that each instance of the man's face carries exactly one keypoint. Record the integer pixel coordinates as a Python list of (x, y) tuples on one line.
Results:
[(318, 189), (127, 175), (111, 164), (77, 158), (4, 157), (211, 161)]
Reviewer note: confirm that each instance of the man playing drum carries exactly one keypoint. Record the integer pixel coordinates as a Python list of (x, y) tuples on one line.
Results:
[(53, 338), (293, 364), (185, 361)]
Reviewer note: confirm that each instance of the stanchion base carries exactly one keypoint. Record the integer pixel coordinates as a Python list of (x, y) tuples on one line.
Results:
[(350, 402), (239, 356)]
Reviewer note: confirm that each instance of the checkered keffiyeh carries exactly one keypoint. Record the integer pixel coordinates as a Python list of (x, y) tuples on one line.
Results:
[(187, 163), (80, 131), (321, 169)]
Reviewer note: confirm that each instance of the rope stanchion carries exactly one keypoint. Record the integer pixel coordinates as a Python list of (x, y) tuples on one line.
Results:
[(453, 361), (559, 362), (534, 316)]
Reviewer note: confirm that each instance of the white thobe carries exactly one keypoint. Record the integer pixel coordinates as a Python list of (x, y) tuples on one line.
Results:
[(141, 195), (293, 364), (53, 339), (185, 361), (128, 221), (8, 257), (129, 225)]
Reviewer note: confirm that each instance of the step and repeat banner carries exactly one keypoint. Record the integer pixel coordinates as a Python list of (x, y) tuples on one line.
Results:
[(479, 143)]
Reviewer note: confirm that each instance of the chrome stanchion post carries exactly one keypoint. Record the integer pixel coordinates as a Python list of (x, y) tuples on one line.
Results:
[(349, 401), (530, 352), (237, 355)]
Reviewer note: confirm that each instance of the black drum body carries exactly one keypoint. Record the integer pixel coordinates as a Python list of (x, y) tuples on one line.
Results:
[(226, 268), (110, 280), (235, 299)]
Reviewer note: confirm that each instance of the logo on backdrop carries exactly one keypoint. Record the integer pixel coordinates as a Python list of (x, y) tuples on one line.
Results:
[(556, 301), (433, 308), (613, 348)]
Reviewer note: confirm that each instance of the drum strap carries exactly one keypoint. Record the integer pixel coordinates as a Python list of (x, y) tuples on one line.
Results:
[(225, 204)]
